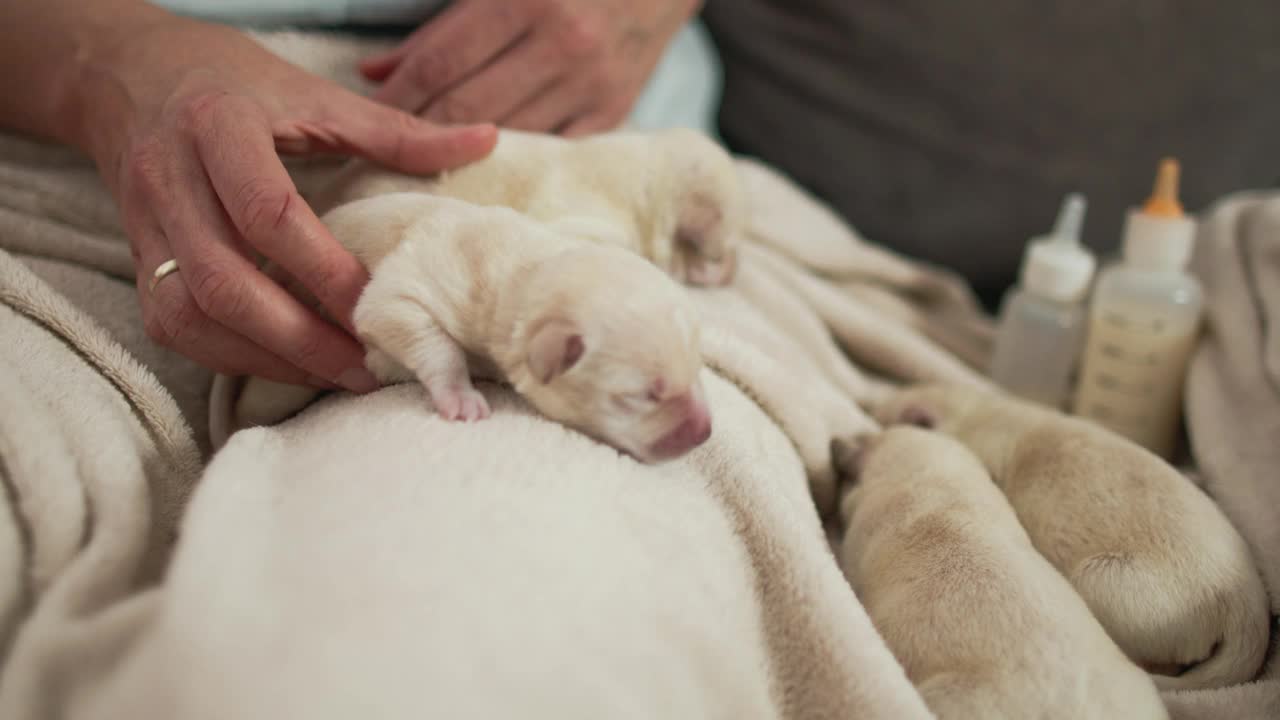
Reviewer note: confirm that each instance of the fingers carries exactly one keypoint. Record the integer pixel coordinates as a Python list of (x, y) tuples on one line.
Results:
[(234, 295), (238, 153), (173, 318), (570, 108), (397, 139), (522, 72), (227, 288), (556, 107), (462, 40)]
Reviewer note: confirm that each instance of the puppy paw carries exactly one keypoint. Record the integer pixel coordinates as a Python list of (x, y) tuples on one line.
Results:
[(705, 272), (460, 403), (705, 241), (848, 454)]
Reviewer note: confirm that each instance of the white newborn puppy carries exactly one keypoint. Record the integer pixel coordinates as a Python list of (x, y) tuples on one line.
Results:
[(594, 337), (1155, 559), (673, 196), (982, 624)]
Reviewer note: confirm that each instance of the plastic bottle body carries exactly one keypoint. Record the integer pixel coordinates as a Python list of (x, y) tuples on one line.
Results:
[(1038, 347), (1142, 329)]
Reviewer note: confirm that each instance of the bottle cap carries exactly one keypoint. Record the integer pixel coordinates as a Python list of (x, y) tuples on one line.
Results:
[(1057, 266), (1159, 236)]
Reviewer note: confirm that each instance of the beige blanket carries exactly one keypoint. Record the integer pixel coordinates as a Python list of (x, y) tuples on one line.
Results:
[(367, 559)]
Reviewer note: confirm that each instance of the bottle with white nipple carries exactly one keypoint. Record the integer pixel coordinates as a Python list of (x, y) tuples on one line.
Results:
[(1144, 324), (1043, 320)]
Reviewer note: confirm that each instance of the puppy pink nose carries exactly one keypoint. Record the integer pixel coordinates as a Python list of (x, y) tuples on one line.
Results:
[(692, 431)]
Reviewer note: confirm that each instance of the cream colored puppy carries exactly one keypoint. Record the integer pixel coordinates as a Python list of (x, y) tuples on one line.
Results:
[(673, 196), (594, 337), (982, 624), (1155, 559)]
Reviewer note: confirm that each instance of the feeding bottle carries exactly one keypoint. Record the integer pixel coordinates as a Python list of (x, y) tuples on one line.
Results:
[(1043, 319), (1144, 323)]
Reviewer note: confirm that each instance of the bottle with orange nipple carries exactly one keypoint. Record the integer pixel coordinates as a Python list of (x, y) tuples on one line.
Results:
[(1143, 324)]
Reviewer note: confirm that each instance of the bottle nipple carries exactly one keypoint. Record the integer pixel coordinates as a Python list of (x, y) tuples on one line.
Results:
[(1066, 229), (1164, 196)]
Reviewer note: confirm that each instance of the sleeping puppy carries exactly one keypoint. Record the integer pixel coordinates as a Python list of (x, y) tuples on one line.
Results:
[(982, 624), (1155, 559), (593, 337), (672, 196)]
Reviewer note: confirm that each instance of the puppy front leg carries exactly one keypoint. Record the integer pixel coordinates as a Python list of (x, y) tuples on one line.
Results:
[(402, 329)]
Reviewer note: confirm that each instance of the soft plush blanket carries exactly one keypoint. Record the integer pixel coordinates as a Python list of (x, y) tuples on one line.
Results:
[(368, 559)]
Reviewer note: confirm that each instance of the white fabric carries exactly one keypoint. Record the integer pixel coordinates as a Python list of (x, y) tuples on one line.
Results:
[(366, 559)]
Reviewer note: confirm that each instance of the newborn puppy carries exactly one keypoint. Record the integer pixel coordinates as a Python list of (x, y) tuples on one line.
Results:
[(982, 624), (594, 337), (1155, 559), (673, 196)]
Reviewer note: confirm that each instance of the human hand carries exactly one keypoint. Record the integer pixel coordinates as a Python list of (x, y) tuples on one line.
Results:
[(564, 66), (185, 121)]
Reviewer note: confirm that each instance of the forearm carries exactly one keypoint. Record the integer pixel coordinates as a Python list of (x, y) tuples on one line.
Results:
[(52, 51)]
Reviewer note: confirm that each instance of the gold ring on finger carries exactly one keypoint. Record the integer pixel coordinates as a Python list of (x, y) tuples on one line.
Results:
[(165, 269)]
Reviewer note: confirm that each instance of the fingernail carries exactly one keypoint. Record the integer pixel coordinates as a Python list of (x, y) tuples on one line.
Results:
[(358, 380)]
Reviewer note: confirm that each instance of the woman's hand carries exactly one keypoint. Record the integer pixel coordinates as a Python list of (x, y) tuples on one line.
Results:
[(185, 120), (565, 66)]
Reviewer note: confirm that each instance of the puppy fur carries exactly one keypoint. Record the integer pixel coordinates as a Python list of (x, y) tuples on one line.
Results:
[(1157, 562), (672, 196), (593, 336), (984, 626)]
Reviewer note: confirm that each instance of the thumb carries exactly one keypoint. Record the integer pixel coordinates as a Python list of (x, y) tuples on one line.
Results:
[(402, 141)]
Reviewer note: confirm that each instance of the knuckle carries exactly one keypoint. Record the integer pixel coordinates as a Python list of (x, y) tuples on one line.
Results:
[(202, 109), (325, 274), (308, 350), (400, 127), (454, 109), (168, 325), (581, 36), (222, 294), (432, 70), (262, 207), (145, 168), (155, 328)]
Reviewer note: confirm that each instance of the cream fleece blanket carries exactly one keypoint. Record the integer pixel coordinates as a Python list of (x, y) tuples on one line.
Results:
[(367, 559)]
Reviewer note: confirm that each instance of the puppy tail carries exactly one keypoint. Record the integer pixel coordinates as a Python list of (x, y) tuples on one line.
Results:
[(1239, 654)]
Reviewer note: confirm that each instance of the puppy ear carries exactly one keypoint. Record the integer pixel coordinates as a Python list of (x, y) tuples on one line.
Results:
[(556, 346), (918, 416)]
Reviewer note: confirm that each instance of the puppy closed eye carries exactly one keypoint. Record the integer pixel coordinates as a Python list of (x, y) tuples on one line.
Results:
[(637, 400)]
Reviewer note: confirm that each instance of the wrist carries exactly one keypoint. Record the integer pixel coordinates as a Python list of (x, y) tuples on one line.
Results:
[(97, 88)]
